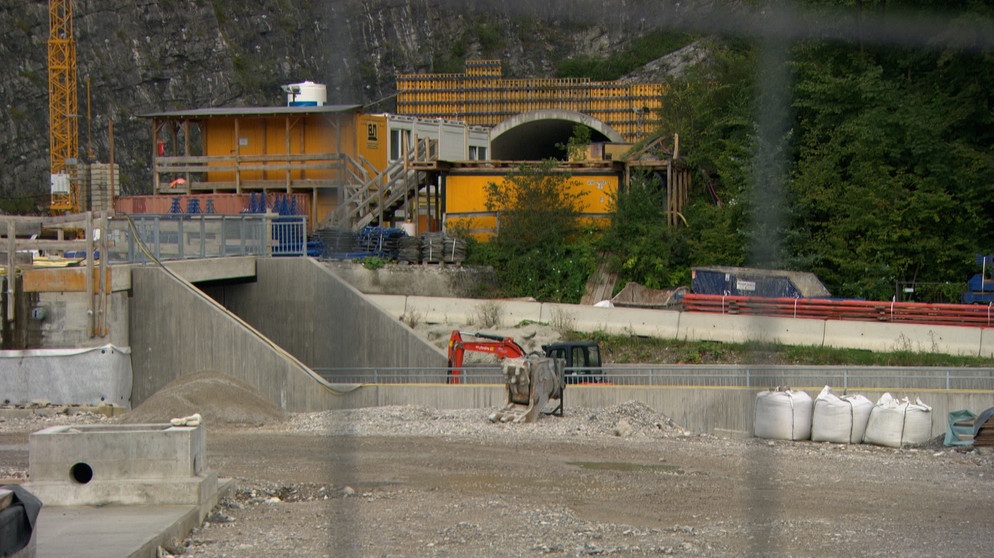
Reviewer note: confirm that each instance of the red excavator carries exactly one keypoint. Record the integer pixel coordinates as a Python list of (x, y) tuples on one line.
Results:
[(503, 347), (583, 358)]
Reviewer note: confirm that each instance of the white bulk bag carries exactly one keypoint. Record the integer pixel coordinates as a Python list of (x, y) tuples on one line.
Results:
[(895, 423), (839, 419), (783, 414)]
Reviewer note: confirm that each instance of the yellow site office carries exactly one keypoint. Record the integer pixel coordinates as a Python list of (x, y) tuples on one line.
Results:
[(428, 165)]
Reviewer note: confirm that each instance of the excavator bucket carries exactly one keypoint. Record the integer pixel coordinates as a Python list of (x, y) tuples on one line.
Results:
[(531, 383)]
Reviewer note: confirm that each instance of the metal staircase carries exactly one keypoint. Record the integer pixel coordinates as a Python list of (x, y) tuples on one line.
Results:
[(373, 196)]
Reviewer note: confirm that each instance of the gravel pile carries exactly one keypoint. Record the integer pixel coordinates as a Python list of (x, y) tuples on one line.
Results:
[(632, 419)]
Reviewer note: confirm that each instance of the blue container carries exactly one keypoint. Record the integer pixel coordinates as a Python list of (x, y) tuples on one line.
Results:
[(742, 281)]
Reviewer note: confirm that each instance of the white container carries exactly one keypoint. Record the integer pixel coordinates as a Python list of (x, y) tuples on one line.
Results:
[(896, 423), (840, 419), (306, 93), (783, 414)]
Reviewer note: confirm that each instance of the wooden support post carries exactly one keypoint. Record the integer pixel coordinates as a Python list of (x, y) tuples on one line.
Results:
[(238, 160), (91, 298), (186, 153), (11, 267), (669, 193), (110, 143), (156, 127), (286, 134), (104, 277)]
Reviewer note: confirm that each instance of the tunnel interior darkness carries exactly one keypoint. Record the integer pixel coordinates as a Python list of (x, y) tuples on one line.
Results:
[(537, 140)]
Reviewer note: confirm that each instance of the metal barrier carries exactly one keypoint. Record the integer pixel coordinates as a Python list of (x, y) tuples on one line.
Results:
[(835, 309), (180, 237), (761, 377)]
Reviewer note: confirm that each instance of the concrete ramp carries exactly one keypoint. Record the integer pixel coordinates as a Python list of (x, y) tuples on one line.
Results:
[(268, 333)]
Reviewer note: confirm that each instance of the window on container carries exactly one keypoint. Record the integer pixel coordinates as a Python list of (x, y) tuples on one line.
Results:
[(397, 139)]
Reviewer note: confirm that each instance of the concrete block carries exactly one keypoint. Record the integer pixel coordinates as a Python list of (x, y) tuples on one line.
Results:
[(140, 464), (466, 310), (512, 312), (198, 491), (632, 321), (441, 310), (738, 329), (67, 376), (885, 336), (119, 451), (986, 343)]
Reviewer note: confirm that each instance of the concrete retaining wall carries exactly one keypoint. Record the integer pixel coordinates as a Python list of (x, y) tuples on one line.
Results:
[(672, 324), (698, 409), (322, 321), (420, 280), (67, 376)]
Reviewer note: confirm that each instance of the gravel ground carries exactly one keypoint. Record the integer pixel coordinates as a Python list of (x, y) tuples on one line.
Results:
[(620, 481)]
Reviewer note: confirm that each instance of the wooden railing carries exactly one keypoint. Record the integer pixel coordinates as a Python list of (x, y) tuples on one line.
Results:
[(374, 198), (23, 235), (284, 169)]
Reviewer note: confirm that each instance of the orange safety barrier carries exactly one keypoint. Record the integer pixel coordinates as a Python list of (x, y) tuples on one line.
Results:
[(968, 315)]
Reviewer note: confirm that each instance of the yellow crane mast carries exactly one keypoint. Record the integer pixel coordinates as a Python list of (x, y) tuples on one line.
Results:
[(62, 109)]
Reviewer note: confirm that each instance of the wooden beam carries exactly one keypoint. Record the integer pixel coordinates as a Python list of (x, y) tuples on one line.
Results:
[(11, 268), (63, 280)]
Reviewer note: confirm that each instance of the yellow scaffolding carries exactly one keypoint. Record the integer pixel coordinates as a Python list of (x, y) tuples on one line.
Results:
[(482, 97)]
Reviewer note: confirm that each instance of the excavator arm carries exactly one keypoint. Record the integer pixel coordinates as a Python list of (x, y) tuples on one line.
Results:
[(502, 347)]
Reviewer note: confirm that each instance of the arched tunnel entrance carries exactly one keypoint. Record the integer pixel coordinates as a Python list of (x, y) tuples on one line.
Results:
[(534, 136)]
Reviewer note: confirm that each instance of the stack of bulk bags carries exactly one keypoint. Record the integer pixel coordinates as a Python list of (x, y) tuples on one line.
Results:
[(839, 419), (895, 423), (783, 414)]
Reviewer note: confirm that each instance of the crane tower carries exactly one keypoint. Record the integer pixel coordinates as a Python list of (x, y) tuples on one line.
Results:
[(62, 108)]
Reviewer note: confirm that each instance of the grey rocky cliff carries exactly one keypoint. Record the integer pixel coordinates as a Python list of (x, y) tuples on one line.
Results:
[(153, 55)]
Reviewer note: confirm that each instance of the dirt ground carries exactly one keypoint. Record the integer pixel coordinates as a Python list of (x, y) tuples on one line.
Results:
[(621, 481)]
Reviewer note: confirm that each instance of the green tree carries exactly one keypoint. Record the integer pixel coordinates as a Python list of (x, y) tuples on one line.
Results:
[(643, 248), (541, 249), (893, 166), (578, 144)]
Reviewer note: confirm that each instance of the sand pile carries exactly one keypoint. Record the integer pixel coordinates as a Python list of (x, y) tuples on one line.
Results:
[(220, 399)]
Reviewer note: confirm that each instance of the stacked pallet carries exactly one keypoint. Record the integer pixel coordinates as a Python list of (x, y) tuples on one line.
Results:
[(983, 429), (409, 249), (441, 248)]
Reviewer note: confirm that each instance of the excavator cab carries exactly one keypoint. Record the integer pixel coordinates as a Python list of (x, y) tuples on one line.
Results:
[(583, 361)]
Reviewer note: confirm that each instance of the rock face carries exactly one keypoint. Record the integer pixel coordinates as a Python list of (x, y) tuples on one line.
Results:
[(142, 56)]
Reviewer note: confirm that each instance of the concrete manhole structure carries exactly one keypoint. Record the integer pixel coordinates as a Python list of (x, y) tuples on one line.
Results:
[(125, 464)]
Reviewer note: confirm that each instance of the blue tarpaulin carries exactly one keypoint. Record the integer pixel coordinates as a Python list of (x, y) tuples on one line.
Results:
[(959, 428)]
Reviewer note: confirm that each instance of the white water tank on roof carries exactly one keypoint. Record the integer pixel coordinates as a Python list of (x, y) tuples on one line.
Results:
[(306, 94)]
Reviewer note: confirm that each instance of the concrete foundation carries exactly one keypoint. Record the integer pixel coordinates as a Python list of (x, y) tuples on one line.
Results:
[(267, 333), (67, 376), (141, 464)]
